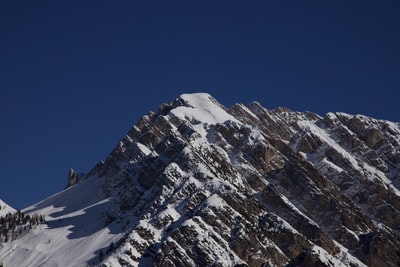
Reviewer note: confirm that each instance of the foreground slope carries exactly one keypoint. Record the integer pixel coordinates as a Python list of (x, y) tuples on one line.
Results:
[(73, 234), (196, 184)]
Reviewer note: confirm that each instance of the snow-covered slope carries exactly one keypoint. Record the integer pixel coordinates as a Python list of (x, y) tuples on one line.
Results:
[(4, 208), (197, 184), (74, 231)]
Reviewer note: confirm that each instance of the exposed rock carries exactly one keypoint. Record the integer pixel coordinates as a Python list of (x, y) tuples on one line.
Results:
[(72, 178)]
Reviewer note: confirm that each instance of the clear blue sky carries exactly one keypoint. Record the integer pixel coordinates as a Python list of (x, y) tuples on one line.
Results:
[(76, 75)]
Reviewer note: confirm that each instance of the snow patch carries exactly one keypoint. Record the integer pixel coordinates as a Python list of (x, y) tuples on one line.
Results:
[(144, 149)]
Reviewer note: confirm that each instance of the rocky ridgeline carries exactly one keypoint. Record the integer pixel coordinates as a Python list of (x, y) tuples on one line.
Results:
[(246, 186)]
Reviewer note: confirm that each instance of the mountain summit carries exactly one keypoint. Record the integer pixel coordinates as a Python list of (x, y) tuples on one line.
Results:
[(198, 184)]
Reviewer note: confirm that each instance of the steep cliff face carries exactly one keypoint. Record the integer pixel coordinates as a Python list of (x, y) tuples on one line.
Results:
[(198, 184)]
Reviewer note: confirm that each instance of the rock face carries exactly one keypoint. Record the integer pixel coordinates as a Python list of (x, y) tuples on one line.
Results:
[(247, 186), (72, 178)]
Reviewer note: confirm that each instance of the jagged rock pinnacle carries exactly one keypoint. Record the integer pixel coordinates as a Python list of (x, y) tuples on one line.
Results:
[(72, 178)]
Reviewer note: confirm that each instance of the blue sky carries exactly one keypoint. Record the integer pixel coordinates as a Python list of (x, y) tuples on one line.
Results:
[(76, 75)]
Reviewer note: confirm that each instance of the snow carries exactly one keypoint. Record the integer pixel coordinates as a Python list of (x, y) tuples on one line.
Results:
[(204, 109), (256, 134), (5, 209), (171, 212), (343, 258), (310, 126), (220, 250), (346, 258), (146, 151), (215, 201), (327, 165), (249, 111), (293, 207), (75, 227)]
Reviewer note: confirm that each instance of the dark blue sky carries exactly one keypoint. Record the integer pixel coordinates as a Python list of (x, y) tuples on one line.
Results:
[(76, 75)]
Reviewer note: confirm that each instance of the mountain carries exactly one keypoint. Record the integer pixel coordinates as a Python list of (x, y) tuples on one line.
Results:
[(198, 184)]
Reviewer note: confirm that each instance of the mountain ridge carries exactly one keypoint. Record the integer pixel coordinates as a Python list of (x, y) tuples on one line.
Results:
[(199, 184)]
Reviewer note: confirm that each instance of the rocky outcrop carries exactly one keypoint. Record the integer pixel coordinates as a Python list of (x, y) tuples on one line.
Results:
[(72, 178)]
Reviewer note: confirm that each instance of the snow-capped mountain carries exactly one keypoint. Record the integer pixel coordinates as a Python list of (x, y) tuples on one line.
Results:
[(198, 184)]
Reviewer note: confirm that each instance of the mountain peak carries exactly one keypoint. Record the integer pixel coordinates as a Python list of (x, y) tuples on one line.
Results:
[(197, 184), (202, 107), (194, 98)]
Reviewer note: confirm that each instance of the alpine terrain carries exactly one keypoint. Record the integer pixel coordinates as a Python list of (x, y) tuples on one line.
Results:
[(198, 184)]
